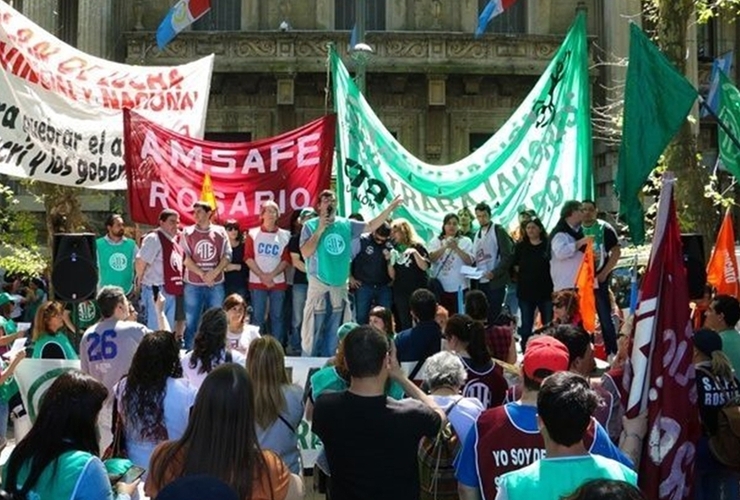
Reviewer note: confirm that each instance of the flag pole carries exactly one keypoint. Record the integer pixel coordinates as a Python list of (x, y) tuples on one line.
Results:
[(720, 122)]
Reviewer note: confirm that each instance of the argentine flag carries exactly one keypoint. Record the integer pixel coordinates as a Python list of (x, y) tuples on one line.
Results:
[(492, 9), (181, 15)]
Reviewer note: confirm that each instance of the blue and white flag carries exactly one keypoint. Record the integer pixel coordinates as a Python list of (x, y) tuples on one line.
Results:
[(181, 15), (492, 9), (722, 63)]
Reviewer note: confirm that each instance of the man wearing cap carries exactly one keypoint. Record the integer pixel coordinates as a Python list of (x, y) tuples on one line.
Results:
[(300, 283), (507, 438), (207, 253), (116, 256), (326, 243), (159, 267), (266, 253), (8, 327)]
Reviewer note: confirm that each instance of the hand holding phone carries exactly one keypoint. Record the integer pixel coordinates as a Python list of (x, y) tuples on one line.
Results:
[(132, 474)]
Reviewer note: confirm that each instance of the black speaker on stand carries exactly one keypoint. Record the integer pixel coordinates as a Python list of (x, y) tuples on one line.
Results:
[(74, 273), (695, 263)]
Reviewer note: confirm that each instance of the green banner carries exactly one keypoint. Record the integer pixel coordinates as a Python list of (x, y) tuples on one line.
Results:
[(729, 113), (538, 159)]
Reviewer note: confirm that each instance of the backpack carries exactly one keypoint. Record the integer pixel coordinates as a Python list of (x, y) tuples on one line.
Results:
[(436, 456)]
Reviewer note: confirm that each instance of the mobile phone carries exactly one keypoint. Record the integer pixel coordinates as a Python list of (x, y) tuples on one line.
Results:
[(132, 474), (155, 292), (329, 210)]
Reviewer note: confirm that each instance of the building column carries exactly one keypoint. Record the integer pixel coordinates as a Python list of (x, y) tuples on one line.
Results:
[(395, 15), (250, 15), (94, 27), (538, 17), (43, 13), (617, 18), (325, 15), (692, 69)]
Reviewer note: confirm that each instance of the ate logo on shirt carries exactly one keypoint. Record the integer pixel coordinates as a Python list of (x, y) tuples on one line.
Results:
[(205, 250), (86, 311), (334, 244), (118, 262)]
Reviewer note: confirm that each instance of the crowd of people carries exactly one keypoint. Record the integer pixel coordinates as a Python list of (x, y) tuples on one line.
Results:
[(185, 362)]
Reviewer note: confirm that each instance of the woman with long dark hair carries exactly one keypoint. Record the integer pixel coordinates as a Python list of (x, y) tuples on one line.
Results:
[(209, 348), (153, 401), (485, 380), (58, 458), (278, 403), (534, 283), (236, 274), (448, 253), (221, 441)]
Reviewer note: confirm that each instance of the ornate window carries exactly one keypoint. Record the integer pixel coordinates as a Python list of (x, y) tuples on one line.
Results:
[(512, 20), (344, 15)]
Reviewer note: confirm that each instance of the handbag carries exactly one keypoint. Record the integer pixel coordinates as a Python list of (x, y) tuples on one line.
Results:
[(117, 449)]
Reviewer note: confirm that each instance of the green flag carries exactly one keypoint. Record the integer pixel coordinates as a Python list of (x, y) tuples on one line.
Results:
[(657, 99), (729, 113), (538, 159)]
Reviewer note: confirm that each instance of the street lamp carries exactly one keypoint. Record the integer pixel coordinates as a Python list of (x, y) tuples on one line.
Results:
[(361, 52)]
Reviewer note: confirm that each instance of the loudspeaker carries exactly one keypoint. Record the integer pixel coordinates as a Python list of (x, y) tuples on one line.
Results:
[(74, 274), (695, 263)]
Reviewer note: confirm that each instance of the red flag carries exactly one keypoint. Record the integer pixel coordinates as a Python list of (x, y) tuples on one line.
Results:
[(585, 285), (661, 369), (722, 267)]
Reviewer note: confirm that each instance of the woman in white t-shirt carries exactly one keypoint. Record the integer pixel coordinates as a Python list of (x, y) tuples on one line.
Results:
[(152, 401), (240, 333), (449, 252), (209, 348), (278, 404)]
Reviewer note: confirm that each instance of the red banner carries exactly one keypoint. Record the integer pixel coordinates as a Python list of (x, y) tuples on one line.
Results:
[(166, 170), (661, 368)]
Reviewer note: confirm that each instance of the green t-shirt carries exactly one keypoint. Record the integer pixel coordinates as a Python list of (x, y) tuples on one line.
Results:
[(60, 341), (8, 325), (731, 347), (333, 252), (555, 478), (116, 263), (58, 481), (328, 379)]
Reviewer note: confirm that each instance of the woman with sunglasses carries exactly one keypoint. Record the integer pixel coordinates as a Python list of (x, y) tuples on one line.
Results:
[(236, 274)]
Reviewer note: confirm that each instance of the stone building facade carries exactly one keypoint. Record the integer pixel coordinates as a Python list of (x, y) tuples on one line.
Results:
[(438, 89)]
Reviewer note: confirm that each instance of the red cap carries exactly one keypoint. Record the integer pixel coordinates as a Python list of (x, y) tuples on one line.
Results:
[(544, 353)]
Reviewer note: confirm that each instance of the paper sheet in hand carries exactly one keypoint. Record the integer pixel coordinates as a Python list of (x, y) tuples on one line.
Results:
[(471, 272)]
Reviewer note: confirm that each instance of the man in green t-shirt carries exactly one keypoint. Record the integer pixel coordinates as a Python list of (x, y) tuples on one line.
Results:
[(325, 244), (565, 403), (722, 316), (116, 256)]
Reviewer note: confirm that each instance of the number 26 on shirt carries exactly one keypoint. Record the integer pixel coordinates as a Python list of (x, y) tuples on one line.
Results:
[(103, 346)]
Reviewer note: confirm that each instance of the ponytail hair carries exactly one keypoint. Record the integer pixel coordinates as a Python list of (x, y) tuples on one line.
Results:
[(472, 333), (721, 365)]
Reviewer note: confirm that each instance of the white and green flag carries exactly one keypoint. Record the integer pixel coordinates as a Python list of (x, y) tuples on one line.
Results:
[(729, 113), (538, 159)]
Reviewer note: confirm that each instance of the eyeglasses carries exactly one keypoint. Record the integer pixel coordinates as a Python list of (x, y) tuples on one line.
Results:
[(558, 304), (232, 228)]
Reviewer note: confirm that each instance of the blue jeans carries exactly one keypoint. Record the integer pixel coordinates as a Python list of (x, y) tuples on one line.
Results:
[(366, 296), (275, 311), (299, 302), (495, 298), (527, 310), (4, 414), (326, 324), (712, 480), (147, 297), (511, 301), (197, 299), (604, 311)]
